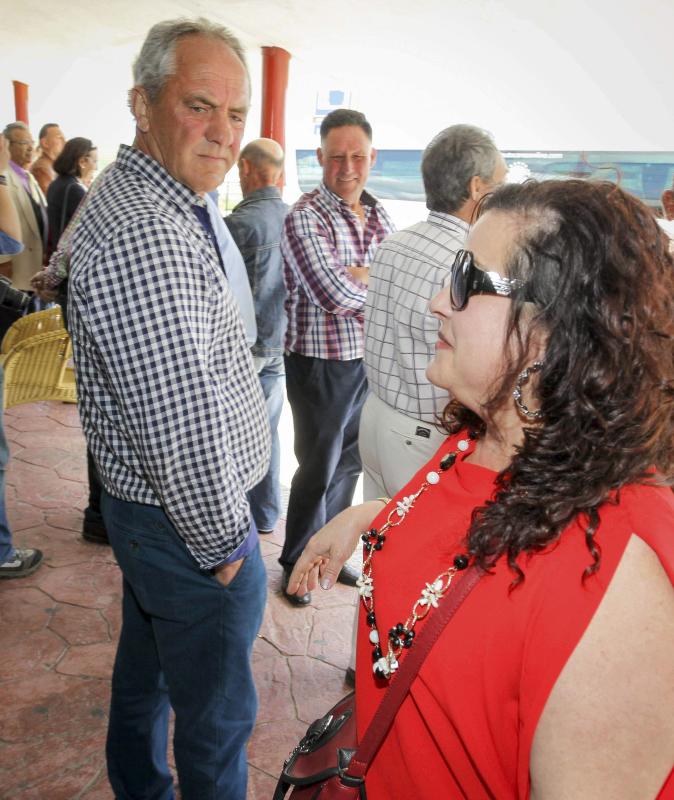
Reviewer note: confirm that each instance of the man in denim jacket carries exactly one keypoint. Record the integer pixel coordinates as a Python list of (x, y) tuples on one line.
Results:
[(256, 224)]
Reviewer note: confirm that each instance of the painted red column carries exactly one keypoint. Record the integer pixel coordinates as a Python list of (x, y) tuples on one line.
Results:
[(275, 62), (21, 101)]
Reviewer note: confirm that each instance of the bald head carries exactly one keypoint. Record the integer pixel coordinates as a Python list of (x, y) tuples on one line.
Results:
[(260, 165)]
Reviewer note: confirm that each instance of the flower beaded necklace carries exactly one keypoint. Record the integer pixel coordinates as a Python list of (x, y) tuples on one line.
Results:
[(401, 636)]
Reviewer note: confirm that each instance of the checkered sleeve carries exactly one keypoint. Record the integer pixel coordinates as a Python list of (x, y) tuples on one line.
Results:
[(187, 409), (309, 250)]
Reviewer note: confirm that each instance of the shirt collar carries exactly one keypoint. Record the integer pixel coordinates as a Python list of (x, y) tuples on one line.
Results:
[(448, 221), (366, 199), (134, 160), (20, 171), (264, 193)]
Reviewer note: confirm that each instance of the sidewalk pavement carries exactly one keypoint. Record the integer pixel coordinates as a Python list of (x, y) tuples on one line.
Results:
[(59, 628)]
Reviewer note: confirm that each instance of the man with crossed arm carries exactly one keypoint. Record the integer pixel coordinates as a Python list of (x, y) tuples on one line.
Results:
[(330, 237)]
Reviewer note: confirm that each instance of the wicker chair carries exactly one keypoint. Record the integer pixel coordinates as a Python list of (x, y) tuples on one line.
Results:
[(38, 368), (31, 324)]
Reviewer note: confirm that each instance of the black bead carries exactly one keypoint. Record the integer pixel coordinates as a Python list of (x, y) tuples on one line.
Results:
[(472, 435), (376, 653), (400, 628), (370, 618), (368, 547), (447, 461), (461, 561), (408, 643), (395, 642), (381, 537), (378, 546), (373, 532), (365, 537), (393, 632), (409, 635)]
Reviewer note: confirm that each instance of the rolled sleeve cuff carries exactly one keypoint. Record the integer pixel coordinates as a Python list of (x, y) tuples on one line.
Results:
[(244, 549)]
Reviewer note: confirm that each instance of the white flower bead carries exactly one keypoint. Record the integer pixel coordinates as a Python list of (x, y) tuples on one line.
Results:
[(463, 445), (374, 637), (382, 665), (433, 478)]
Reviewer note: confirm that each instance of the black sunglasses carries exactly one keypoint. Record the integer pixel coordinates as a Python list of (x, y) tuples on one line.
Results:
[(466, 280)]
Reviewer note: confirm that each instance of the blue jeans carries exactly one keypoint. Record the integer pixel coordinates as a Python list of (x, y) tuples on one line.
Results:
[(6, 549), (186, 642), (265, 498)]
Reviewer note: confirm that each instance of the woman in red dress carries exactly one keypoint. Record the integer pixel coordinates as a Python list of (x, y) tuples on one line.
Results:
[(555, 679)]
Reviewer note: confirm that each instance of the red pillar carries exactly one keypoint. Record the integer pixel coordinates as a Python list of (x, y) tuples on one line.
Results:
[(275, 62), (21, 101)]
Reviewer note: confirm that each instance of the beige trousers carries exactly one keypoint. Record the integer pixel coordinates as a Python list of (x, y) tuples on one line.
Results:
[(392, 451)]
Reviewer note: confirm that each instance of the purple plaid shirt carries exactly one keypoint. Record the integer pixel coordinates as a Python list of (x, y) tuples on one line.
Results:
[(321, 238)]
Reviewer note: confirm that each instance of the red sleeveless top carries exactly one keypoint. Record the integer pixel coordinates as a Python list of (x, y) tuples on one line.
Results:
[(466, 728)]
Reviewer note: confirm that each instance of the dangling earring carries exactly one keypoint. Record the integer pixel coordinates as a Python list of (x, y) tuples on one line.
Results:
[(522, 378)]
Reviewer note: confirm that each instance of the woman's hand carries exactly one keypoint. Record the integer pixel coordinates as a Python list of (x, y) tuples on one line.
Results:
[(37, 284), (327, 550)]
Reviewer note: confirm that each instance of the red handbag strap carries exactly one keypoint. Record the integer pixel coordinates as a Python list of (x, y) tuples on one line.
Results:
[(400, 684)]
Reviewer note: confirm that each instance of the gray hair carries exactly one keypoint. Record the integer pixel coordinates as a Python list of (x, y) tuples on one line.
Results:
[(453, 157), (14, 126), (156, 61)]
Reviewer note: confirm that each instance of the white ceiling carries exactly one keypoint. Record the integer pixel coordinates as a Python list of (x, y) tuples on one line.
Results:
[(592, 74)]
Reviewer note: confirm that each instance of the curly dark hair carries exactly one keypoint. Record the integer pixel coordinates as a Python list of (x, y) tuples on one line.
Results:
[(598, 270)]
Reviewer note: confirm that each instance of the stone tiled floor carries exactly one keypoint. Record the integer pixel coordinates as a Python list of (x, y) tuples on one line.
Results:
[(58, 630)]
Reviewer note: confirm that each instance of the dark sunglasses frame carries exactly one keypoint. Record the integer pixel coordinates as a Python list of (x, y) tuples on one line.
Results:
[(466, 279)]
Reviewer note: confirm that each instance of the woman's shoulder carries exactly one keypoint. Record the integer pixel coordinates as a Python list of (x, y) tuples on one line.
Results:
[(643, 510), (60, 184)]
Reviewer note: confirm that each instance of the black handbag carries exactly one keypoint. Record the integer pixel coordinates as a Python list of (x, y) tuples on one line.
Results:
[(328, 763)]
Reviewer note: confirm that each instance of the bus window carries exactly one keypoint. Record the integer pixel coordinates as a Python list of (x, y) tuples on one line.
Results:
[(396, 174)]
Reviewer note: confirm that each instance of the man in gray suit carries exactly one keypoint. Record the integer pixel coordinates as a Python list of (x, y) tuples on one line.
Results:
[(31, 207)]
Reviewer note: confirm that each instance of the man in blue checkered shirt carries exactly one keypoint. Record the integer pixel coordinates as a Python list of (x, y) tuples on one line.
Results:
[(175, 419)]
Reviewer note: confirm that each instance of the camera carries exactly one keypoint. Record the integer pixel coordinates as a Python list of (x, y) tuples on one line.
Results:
[(12, 298)]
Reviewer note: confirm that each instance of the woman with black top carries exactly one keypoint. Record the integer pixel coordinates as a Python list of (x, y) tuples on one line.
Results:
[(75, 169)]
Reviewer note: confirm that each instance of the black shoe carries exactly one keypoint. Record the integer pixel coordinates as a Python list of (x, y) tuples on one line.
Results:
[(295, 599), (350, 677), (24, 562), (93, 529), (348, 575)]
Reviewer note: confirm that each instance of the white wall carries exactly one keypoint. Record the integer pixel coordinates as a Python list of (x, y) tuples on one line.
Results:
[(569, 75)]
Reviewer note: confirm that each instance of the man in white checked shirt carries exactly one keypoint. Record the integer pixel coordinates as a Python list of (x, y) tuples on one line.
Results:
[(397, 428), (175, 419)]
